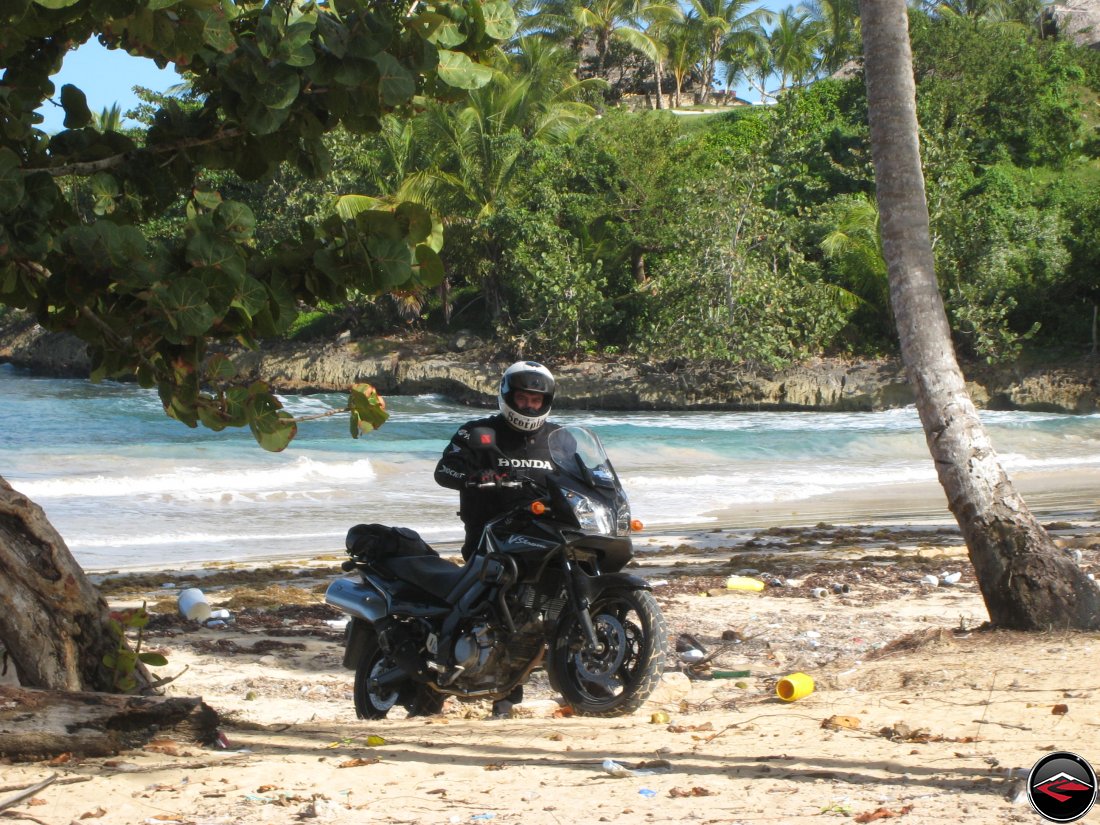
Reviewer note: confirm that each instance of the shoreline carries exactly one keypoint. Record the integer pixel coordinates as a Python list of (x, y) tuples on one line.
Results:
[(1052, 498)]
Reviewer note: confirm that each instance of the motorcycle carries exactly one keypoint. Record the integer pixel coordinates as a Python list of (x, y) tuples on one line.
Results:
[(545, 589)]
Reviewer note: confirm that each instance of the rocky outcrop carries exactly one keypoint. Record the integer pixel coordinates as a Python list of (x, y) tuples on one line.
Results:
[(1077, 21), (471, 377)]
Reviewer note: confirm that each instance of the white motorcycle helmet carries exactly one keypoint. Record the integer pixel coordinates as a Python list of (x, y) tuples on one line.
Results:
[(528, 376)]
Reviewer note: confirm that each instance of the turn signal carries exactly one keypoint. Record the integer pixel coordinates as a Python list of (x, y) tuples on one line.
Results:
[(538, 508), (636, 525)]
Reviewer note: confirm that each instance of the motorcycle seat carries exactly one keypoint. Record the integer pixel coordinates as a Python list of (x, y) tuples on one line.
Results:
[(432, 574)]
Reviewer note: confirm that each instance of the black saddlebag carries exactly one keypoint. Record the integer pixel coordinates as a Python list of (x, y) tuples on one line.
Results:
[(377, 542)]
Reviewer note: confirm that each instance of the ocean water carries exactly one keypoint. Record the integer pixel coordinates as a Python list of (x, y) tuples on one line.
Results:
[(126, 486)]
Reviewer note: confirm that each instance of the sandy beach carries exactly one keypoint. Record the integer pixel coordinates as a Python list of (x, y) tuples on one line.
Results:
[(917, 713)]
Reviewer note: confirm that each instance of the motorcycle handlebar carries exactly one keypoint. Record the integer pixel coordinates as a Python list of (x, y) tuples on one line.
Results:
[(497, 483)]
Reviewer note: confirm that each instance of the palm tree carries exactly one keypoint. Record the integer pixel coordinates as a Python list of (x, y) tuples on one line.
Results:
[(109, 119), (685, 51), (855, 238), (839, 20), (624, 20), (793, 44), (662, 20), (726, 25), (468, 154), (1026, 582)]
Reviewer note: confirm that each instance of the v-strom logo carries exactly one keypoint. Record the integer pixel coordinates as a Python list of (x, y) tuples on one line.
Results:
[(525, 463), (1061, 787), (523, 541)]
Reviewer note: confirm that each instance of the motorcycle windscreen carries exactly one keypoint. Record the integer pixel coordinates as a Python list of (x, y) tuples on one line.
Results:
[(577, 452)]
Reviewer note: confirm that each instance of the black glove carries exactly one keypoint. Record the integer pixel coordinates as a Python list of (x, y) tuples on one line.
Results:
[(486, 478)]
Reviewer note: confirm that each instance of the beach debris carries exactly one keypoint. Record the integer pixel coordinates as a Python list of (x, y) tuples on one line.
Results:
[(613, 768), (730, 674), (705, 726), (841, 587), (930, 580), (819, 592), (621, 771), (882, 813), (685, 641), (794, 687), (1060, 710), (320, 807), (949, 579), (648, 793), (193, 605), (359, 762), (681, 793), (836, 722), (744, 583), (659, 718)]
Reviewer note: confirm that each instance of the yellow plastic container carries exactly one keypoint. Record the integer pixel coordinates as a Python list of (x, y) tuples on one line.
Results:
[(794, 687), (744, 583)]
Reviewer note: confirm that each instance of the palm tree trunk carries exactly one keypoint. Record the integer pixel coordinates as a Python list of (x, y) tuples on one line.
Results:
[(1027, 583), (659, 69)]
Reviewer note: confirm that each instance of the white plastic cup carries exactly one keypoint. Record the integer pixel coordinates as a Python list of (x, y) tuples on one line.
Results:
[(193, 605)]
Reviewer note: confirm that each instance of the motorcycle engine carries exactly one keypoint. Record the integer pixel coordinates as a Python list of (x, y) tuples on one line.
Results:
[(474, 649)]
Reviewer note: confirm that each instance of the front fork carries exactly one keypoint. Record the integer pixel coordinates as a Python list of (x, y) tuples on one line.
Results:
[(578, 594)]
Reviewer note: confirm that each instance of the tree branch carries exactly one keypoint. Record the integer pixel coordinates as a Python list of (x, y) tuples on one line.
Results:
[(90, 167)]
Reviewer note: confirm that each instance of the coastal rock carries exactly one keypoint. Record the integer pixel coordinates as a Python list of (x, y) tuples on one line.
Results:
[(471, 377), (1077, 21)]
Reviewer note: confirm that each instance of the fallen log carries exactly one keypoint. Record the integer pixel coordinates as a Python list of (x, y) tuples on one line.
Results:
[(40, 724)]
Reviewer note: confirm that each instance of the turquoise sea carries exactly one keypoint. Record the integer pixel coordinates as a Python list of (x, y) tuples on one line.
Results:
[(126, 486)]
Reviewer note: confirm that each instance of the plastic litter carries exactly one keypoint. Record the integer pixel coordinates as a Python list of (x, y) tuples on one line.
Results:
[(793, 687), (744, 583), (819, 592), (193, 605), (613, 768), (691, 656), (730, 674), (648, 793), (948, 579), (930, 580)]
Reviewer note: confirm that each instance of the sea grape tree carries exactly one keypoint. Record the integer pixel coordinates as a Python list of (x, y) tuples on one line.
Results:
[(271, 78)]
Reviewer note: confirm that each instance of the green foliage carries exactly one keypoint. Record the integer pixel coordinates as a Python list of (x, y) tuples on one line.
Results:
[(302, 186), (1006, 97), (269, 81), (123, 662), (1002, 260)]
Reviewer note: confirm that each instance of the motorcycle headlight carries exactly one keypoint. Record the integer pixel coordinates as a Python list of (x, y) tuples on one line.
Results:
[(592, 516)]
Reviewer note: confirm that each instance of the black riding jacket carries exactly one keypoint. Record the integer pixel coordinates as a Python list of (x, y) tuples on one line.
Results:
[(526, 455)]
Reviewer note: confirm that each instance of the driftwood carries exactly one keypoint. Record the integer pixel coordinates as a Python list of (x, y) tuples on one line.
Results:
[(38, 724)]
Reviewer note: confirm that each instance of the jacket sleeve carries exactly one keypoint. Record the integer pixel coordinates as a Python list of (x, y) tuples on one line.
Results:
[(458, 461)]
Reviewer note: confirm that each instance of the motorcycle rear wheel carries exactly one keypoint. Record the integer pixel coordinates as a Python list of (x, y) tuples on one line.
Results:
[(417, 699), (619, 679)]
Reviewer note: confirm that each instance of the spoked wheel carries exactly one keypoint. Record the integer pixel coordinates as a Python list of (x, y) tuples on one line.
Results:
[(418, 699), (617, 677)]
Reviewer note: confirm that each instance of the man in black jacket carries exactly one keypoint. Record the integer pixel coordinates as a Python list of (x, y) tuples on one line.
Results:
[(526, 395)]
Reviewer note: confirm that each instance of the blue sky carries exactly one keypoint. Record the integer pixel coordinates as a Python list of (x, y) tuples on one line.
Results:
[(109, 76)]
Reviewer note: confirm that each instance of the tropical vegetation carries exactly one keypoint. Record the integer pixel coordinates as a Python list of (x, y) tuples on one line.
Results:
[(577, 215)]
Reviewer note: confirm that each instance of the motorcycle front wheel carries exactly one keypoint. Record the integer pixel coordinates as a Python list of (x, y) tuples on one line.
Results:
[(619, 676), (417, 699)]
